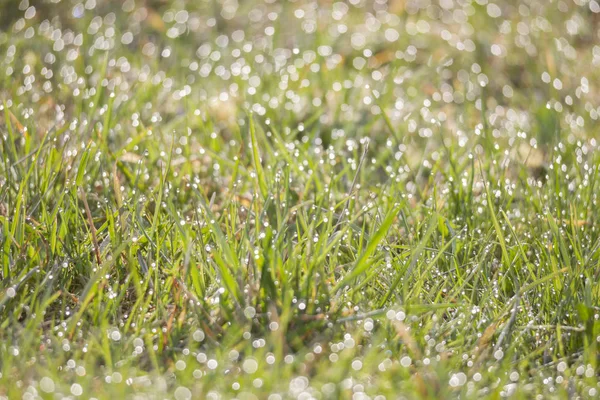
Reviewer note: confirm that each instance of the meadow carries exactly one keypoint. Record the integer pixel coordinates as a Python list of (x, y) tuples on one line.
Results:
[(295, 199)]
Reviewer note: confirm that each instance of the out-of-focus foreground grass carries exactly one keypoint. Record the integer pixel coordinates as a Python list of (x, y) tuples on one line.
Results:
[(299, 199)]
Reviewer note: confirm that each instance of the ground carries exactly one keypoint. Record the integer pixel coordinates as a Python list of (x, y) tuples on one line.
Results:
[(299, 199)]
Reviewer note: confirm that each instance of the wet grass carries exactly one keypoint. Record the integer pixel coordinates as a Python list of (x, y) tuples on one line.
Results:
[(276, 200)]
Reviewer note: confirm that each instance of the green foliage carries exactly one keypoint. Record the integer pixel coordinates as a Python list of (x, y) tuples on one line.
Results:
[(299, 199)]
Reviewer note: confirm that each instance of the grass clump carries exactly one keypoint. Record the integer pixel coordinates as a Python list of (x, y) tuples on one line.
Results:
[(367, 200)]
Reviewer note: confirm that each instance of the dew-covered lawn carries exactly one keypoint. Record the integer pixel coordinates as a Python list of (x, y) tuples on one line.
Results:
[(264, 199)]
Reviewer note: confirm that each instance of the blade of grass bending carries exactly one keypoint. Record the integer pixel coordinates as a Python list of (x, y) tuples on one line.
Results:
[(362, 263)]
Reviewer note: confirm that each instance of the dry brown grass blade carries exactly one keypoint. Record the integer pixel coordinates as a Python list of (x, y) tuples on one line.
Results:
[(92, 227)]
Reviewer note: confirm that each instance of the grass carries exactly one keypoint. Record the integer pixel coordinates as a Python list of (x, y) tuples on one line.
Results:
[(277, 200)]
